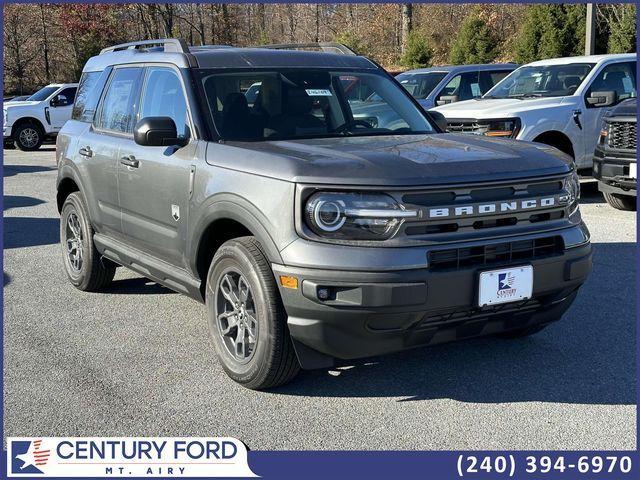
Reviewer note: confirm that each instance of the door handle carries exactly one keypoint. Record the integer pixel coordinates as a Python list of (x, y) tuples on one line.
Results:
[(86, 151), (130, 161)]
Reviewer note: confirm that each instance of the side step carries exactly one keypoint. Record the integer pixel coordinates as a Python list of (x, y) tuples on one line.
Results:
[(151, 267)]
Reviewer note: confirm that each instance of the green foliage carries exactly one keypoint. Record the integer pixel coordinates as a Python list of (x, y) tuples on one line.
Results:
[(352, 40), (418, 53), (555, 30), (622, 38), (475, 43)]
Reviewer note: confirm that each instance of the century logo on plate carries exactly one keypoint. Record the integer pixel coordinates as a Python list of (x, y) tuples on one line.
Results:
[(127, 457)]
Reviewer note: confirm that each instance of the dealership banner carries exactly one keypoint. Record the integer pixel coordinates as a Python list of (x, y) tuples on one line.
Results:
[(126, 457)]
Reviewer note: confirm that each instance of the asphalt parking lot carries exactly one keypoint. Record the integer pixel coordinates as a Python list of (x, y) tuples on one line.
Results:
[(136, 360)]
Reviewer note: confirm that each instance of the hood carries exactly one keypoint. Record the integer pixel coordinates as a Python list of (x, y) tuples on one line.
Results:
[(499, 107), (22, 103), (394, 160)]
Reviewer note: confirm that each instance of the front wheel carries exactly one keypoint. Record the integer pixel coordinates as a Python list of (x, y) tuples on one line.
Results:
[(246, 318), (83, 264), (621, 202), (28, 137)]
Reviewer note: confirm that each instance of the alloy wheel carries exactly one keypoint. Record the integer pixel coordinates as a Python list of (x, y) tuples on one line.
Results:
[(75, 247), (236, 316), (29, 137)]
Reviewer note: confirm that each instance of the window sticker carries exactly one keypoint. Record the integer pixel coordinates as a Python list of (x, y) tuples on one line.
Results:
[(318, 92)]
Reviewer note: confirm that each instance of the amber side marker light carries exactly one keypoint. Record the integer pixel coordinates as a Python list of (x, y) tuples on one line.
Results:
[(288, 282), (499, 133)]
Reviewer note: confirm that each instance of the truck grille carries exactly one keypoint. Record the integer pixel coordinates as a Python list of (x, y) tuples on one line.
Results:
[(464, 126), (622, 135), (461, 209), (493, 254)]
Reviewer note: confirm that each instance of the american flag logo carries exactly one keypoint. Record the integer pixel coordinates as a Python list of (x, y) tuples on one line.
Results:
[(36, 455)]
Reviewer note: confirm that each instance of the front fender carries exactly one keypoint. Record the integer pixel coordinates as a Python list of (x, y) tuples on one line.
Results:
[(232, 207)]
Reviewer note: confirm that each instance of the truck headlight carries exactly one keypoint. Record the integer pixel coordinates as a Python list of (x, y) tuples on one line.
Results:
[(507, 128), (604, 134), (355, 216), (572, 186)]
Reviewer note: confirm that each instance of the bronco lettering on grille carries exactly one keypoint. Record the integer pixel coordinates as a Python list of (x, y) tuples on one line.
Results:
[(479, 209)]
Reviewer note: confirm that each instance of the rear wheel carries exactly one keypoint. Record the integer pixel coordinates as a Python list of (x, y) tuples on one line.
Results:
[(621, 202), (83, 264), (246, 318), (28, 137)]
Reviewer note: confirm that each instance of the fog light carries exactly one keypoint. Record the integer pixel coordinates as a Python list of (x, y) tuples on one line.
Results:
[(323, 293)]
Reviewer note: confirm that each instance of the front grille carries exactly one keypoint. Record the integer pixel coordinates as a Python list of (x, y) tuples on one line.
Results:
[(464, 126), (622, 135), (472, 198), (494, 254)]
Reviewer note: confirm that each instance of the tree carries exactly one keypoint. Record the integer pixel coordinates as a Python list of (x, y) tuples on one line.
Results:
[(417, 53), (475, 43), (620, 21), (351, 40), (407, 25), (549, 31)]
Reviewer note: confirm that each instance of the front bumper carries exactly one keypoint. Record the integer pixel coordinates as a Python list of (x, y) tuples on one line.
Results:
[(374, 313), (611, 169)]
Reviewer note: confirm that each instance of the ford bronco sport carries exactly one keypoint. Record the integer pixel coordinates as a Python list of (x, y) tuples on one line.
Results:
[(312, 237)]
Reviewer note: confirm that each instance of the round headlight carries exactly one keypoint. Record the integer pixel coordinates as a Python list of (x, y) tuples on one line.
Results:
[(355, 216), (329, 215)]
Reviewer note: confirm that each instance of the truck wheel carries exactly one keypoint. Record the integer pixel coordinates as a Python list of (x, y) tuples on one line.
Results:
[(246, 319), (621, 202), (521, 332), (28, 137), (83, 264)]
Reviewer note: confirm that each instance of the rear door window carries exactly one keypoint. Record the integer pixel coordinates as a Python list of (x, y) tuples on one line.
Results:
[(119, 104)]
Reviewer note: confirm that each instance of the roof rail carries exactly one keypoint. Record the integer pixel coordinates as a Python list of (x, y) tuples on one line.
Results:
[(169, 45), (328, 47)]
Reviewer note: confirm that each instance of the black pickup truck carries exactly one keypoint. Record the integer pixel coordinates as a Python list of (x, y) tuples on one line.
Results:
[(614, 162)]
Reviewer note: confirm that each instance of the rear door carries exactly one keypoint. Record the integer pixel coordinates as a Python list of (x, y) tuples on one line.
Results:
[(99, 146), (155, 182)]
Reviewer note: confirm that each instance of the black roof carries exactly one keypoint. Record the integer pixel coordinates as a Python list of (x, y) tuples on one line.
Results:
[(235, 57)]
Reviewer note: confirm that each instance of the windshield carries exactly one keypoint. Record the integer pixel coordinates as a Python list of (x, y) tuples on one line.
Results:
[(541, 81), (42, 94), (307, 103), (420, 85)]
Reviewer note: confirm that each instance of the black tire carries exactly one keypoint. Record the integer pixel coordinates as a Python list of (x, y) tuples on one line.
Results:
[(521, 332), (271, 361), (91, 273), (28, 137), (621, 202)]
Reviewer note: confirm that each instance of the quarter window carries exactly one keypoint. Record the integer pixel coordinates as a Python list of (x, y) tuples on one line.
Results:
[(119, 103), (88, 95), (163, 97)]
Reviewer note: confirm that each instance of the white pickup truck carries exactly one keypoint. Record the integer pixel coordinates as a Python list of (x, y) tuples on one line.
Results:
[(29, 122), (558, 102)]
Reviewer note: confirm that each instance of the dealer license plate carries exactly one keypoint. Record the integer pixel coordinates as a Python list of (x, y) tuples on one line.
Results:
[(505, 285)]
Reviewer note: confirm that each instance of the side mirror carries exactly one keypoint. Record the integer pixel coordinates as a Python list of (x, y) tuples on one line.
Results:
[(157, 132), (444, 99), (59, 101), (602, 99), (439, 119)]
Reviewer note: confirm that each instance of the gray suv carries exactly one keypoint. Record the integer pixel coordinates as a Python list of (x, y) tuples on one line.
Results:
[(312, 237)]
